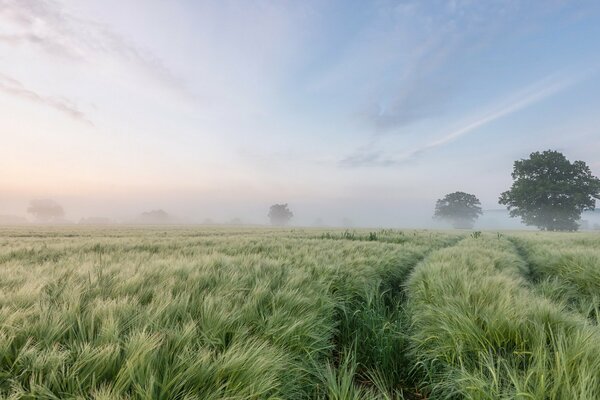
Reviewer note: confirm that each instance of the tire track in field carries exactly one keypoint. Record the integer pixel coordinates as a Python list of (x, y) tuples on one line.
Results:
[(560, 284), (374, 334), (482, 331), (530, 274)]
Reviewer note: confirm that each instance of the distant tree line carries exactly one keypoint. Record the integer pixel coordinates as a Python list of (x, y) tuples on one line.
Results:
[(548, 192)]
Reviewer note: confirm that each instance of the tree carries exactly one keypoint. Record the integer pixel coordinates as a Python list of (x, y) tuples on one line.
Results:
[(459, 208), (280, 214), (550, 192), (155, 217), (45, 210)]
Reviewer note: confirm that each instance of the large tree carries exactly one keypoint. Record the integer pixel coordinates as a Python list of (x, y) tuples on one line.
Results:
[(280, 214), (550, 192), (459, 208), (45, 210)]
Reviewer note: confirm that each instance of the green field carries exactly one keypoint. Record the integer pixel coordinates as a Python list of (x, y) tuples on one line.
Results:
[(257, 313)]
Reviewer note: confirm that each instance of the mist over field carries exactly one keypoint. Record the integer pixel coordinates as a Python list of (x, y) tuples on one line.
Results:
[(338, 212), (359, 114), (347, 213)]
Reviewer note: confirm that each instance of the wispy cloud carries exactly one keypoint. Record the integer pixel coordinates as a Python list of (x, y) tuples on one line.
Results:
[(14, 87), (418, 98), (46, 25), (419, 46), (370, 155), (409, 55)]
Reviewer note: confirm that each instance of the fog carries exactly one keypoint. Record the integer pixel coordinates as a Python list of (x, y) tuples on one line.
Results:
[(357, 116), (341, 212)]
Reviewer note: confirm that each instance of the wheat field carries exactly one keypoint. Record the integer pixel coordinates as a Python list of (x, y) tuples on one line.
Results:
[(259, 313)]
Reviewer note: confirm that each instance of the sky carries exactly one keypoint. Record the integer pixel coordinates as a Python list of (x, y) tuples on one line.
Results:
[(363, 111)]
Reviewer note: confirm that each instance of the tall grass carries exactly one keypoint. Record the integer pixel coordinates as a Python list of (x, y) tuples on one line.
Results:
[(565, 268), (212, 313), (479, 332), (187, 314)]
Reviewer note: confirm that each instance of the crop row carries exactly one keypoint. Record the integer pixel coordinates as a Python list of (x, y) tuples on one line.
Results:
[(479, 331), (174, 314), (565, 268)]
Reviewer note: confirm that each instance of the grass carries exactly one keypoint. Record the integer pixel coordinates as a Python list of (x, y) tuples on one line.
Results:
[(232, 313), (480, 332), (565, 268), (163, 314)]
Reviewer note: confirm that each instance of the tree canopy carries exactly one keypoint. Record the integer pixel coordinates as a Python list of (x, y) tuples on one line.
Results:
[(550, 192), (155, 217), (459, 208), (280, 214), (45, 210)]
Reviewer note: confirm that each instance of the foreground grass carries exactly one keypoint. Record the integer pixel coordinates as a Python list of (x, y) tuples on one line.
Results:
[(565, 268), (480, 332), (176, 313), (169, 314)]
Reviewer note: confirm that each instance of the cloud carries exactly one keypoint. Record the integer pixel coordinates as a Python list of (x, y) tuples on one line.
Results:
[(391, 64), (46, 25), (14, 87), (420, 43), (417, 99), (370, 155), (417, 45)]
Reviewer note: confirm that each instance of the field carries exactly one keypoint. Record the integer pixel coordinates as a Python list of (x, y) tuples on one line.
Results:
[(256, 313)]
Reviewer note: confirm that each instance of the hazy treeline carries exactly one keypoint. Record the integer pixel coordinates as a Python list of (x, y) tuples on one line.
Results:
[(489, 219)]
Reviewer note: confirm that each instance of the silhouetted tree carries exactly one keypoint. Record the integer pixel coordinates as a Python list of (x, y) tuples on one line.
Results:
[(155, 217), (459, 208), (45, 210), (550, 192), (280, 214)]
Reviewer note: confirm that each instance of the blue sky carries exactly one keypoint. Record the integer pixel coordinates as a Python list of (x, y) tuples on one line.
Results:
[(368, 110)]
